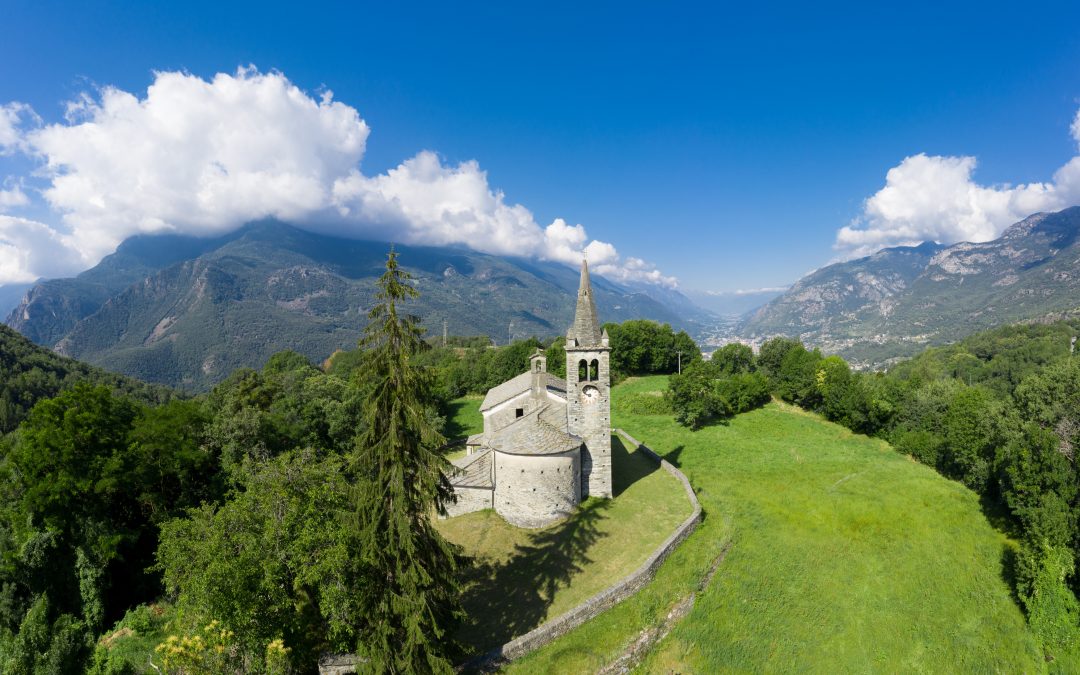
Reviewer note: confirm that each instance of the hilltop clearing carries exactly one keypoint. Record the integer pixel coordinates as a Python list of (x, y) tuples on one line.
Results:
[(844, 556)]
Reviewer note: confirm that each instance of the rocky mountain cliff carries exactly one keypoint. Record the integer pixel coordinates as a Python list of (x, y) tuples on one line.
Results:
[(897, 301), (186, 312)]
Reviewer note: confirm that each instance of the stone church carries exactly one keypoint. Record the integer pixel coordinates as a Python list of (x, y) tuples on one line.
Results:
[(546, 443)]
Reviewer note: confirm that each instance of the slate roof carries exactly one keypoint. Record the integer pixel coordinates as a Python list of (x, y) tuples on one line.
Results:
[(586, 331), (517, 385), (541, 432), (475, 471)]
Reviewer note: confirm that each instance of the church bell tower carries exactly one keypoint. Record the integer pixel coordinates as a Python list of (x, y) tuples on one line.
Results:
[(588, 391)]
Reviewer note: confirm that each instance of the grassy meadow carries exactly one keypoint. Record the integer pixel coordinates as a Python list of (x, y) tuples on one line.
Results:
[(463, 420), (845, 556)]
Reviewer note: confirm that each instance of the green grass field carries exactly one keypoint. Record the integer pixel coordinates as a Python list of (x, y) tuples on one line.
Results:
[(525, 577), (463, 420), (845, 556)]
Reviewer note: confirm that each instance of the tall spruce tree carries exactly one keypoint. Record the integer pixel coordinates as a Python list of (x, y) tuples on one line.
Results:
[(400, 483)]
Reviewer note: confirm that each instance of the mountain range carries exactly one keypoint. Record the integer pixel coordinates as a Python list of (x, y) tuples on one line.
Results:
[(895, 302), (186, 311)]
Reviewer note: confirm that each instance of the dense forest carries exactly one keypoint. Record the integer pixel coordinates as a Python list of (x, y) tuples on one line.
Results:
[(998, 411)]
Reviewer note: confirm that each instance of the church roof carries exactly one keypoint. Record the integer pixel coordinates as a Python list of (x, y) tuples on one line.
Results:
[(475, 470), (518, 385), (541, 432), (586, 331)]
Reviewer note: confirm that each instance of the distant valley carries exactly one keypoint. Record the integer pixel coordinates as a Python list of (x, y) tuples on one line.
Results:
[(186, 311), (733, 303)]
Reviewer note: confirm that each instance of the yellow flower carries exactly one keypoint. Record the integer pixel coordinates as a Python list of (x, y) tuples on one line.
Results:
[(278, 646)]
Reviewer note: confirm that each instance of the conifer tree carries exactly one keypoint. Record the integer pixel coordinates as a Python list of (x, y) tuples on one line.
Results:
[(400, 484)]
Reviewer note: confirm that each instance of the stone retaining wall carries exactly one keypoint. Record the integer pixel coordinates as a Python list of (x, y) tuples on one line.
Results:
[(602, 601), (606, 599)]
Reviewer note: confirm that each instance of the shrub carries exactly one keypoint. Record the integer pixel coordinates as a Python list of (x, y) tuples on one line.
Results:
[(744, 392), (1052, 609)]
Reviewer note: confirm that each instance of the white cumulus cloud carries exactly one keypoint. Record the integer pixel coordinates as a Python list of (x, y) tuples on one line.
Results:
[(936, 198), (203, 157), (12, 198), (13, 116), (424, 202), (30, 250), (194, 156)]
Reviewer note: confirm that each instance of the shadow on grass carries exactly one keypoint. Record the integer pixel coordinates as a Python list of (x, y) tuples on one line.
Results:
[(673, 456), (1009, 562), (454, 428), (999, 516), (628, 467), (507, 599)]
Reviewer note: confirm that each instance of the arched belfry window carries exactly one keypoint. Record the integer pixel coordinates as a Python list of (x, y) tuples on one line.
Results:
[(594, 370), (583, 370), (538, 366)]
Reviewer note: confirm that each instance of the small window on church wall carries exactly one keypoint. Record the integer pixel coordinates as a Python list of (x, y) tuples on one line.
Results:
[(594, 370), (520, 412), (583, 370)]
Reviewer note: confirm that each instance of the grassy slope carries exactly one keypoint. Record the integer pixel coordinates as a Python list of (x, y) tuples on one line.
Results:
[(846, 556), (463, 419), (528, 576)]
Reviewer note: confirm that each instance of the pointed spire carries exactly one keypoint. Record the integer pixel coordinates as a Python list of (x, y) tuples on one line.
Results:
[(586, 331)]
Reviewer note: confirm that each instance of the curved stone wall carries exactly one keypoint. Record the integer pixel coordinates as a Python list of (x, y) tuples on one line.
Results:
[(537, 490)]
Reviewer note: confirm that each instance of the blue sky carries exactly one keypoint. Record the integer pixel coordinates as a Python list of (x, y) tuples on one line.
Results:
[(725, 145)]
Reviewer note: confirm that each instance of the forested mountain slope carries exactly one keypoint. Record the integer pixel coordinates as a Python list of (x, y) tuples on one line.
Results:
[(29, 373), (51, 308)]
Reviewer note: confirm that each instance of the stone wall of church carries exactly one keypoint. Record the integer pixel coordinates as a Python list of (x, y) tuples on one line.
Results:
[(506, 413), (537, 490), (471, 499)]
